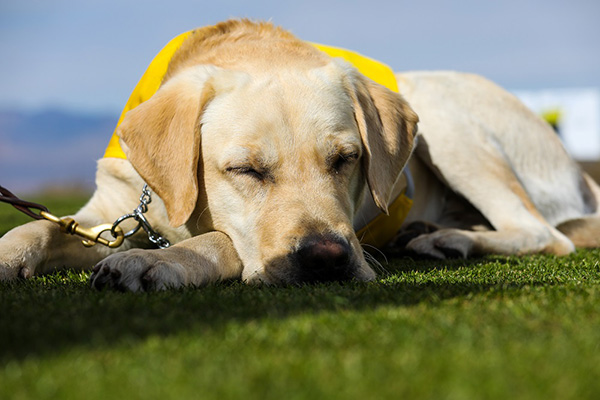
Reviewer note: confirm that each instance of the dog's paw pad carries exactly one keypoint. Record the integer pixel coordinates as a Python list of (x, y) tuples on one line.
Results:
[(117, 277), (136, 270), (425, 247)]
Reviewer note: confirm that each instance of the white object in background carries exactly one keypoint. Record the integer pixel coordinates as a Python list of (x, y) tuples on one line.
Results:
[(578, 117)]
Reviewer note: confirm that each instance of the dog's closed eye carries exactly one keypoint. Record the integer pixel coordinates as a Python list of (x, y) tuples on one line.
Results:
[(249, 171), (339, 160)]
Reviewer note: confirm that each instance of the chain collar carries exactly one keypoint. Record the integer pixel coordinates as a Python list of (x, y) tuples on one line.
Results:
[(138, 215)]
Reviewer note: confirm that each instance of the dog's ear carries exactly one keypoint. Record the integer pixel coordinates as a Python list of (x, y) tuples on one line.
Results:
[(387, 128), (161, 138)]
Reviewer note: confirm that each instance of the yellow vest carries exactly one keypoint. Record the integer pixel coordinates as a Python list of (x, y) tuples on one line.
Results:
[(379, 231)]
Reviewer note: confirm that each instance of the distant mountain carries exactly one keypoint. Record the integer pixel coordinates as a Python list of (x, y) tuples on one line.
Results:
[(59, 125), (48, 148)]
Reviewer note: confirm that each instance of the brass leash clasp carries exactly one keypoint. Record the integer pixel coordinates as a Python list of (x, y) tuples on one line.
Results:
[(91, 235)]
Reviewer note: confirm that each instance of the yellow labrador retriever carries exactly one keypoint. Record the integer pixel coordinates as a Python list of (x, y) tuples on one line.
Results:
[(262, 153)]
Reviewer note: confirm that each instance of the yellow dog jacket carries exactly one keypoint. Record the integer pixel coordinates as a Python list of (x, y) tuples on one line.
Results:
[(377, 232)]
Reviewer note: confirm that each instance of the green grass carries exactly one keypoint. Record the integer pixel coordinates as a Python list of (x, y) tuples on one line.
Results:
[(492, 328)]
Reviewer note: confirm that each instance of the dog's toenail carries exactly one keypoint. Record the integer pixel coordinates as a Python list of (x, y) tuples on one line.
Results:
[(24, 273)]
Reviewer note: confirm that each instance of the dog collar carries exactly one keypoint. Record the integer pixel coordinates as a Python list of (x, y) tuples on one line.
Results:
[(376, 233)]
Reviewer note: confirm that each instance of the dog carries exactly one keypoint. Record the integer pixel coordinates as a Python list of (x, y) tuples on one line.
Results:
[(264, 154)]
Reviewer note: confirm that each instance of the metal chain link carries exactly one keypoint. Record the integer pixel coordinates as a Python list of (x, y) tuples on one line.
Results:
[(138, 215)]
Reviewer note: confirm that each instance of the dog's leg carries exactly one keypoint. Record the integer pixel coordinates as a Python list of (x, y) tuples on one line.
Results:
[(40, 247), (461, 243), (508, 163), (583, 232), (197, 261), (518, 226)]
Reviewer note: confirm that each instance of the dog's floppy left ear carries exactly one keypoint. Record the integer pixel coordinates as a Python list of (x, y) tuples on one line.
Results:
[(387, 127), (161, 138)]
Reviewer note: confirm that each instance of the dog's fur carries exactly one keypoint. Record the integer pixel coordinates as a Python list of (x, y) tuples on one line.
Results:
[(262, 150)]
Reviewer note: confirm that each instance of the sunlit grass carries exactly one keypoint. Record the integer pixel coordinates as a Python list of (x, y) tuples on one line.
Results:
[(518, 328)]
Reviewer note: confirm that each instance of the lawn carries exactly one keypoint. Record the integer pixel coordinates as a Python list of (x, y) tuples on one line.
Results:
[(491, 328)]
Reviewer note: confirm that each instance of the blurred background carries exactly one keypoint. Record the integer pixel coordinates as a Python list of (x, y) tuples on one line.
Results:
[(68, 67)]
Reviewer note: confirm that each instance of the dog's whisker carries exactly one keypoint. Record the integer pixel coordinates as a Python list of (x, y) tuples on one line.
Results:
[(376, 265), (377, 250), (360, 239), (200, 217), (372, 261)]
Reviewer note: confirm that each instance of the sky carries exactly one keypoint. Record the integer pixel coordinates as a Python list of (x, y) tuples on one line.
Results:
[(88, 55)]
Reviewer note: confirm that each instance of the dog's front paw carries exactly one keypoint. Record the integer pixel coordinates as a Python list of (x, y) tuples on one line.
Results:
[(19, 257), (12, 268), (442, 244), (137, 270)]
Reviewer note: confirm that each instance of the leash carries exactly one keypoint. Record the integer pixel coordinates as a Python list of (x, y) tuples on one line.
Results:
[(92, 235)]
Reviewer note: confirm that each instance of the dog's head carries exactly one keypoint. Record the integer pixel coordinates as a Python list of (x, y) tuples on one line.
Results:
[(278, 161)]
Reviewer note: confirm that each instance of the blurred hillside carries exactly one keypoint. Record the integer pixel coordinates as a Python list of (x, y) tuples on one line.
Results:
[(51, 149)]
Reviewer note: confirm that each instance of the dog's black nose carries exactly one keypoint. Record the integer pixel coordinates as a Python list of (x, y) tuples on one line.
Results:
[(323, 258)]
